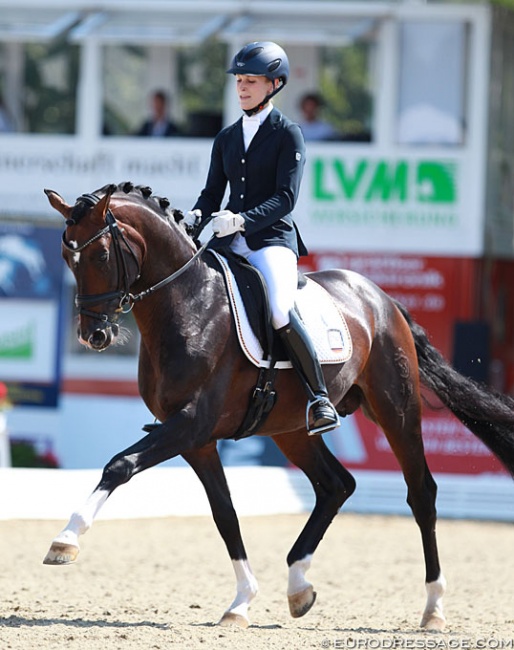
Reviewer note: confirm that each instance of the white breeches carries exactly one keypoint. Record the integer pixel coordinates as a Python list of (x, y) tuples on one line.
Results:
[(279, 268)]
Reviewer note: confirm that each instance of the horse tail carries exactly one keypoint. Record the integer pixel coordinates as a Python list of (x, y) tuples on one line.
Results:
[(486, 413)]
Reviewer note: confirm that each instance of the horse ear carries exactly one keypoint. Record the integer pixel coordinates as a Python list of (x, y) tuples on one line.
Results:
[(100, 209), (59, 204)]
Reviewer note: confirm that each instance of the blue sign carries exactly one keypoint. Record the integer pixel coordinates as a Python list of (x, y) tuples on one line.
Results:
[(31, 276)]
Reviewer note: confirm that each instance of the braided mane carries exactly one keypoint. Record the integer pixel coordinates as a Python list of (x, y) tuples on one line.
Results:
[(161, 204)]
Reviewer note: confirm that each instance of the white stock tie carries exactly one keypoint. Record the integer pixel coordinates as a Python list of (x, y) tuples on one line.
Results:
[(251, 125)]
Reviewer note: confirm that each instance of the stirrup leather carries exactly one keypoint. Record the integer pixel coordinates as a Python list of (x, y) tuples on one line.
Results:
[(329, 426)]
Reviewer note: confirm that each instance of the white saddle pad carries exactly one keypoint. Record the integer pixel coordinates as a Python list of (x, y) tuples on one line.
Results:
[(323, 320)]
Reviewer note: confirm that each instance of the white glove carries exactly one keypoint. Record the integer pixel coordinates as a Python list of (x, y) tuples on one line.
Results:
[(191, 220), (226, 223)]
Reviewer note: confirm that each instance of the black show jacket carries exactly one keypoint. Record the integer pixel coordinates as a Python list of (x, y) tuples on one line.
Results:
[(264, 181)]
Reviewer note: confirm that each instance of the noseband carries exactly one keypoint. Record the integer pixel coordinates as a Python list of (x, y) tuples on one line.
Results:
[(126, 299)]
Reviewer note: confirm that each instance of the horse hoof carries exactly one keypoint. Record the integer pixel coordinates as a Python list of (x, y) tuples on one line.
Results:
[(300, 603), (433, 623), (60, 553), (236, 620)]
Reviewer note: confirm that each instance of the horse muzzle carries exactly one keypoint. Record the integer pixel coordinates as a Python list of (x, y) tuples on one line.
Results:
[(100, 338)]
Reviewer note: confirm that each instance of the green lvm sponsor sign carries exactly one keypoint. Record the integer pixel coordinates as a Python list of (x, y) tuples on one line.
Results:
[(420, 193), (18, 343)]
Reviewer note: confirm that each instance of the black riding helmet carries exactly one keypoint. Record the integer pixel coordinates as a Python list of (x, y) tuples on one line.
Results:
[(262, 58)]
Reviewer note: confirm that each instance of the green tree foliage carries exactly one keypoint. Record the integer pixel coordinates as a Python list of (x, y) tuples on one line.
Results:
[(508, 4)]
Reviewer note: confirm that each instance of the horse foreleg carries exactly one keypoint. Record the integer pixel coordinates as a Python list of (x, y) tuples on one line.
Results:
[(207, 466), (246, 590), (433, 617), (332, 484), (65, 547), (156, 447), (300, 592)]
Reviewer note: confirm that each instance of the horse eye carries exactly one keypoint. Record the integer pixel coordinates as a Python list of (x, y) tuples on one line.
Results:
[(104, 256)]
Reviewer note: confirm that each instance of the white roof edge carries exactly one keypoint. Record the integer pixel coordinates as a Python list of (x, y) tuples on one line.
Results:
[(53, 28), (211, 6), (320, 7)]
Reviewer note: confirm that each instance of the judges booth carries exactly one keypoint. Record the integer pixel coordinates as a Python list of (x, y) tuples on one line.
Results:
[(414, 188)]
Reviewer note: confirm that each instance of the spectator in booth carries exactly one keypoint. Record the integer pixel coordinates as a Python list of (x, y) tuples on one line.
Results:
[(312, 125), (159, 123)]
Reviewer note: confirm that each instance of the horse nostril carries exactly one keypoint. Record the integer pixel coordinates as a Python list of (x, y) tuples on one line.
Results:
[(115, 329), (98, 339)]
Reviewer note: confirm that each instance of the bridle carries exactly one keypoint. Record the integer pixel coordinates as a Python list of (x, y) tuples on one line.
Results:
[(126, 299)]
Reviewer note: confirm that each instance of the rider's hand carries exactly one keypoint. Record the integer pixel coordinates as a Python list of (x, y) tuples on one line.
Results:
[(191, 220), (226, 223)]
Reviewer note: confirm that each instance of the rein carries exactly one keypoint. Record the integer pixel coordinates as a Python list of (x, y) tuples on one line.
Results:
[(126, 299), (147, 292)]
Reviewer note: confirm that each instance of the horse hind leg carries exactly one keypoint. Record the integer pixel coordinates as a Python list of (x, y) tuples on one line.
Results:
[(396, 408), (332, 485), (421, 499)]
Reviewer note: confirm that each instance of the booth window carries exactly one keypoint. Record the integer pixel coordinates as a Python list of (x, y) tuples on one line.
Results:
[(346, 75), (193, 78), (38, 85), (432, 83), (201, 83), (51, 73), (8, 114), (125, 68)]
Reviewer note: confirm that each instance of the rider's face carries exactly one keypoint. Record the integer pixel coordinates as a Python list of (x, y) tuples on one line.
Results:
[(252, 90)]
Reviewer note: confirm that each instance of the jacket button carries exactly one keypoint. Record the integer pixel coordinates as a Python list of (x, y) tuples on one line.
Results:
[(243, 160), (241, 196), (243, 178)]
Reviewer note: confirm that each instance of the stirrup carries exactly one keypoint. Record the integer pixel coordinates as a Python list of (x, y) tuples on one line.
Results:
[(148, 428), (323, 428)]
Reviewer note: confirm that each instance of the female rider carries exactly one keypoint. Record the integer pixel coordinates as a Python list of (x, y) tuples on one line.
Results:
[(262, 157)]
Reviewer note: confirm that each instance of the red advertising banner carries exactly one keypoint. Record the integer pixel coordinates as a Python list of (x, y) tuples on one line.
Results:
[(450, 448), (439, 292)]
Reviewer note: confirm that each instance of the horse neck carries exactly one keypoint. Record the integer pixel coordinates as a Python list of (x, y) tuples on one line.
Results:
[(167, 251)]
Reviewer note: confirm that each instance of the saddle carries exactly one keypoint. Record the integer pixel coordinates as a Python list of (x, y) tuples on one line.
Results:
[(262, 345)]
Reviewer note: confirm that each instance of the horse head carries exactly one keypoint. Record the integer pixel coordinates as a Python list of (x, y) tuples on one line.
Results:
[(105, 257)]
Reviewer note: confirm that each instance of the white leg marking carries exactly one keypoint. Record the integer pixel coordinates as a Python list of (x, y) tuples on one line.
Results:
[(434, 606), (247, 588), (82, 519), (297, 582)]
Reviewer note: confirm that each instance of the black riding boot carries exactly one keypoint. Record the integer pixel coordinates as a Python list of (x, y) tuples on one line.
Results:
[(304, 359)]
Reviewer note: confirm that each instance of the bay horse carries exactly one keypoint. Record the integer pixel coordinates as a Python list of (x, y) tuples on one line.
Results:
[(127, 250)]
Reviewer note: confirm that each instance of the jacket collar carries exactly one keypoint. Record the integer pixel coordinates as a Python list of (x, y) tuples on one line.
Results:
[(267, 127)]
